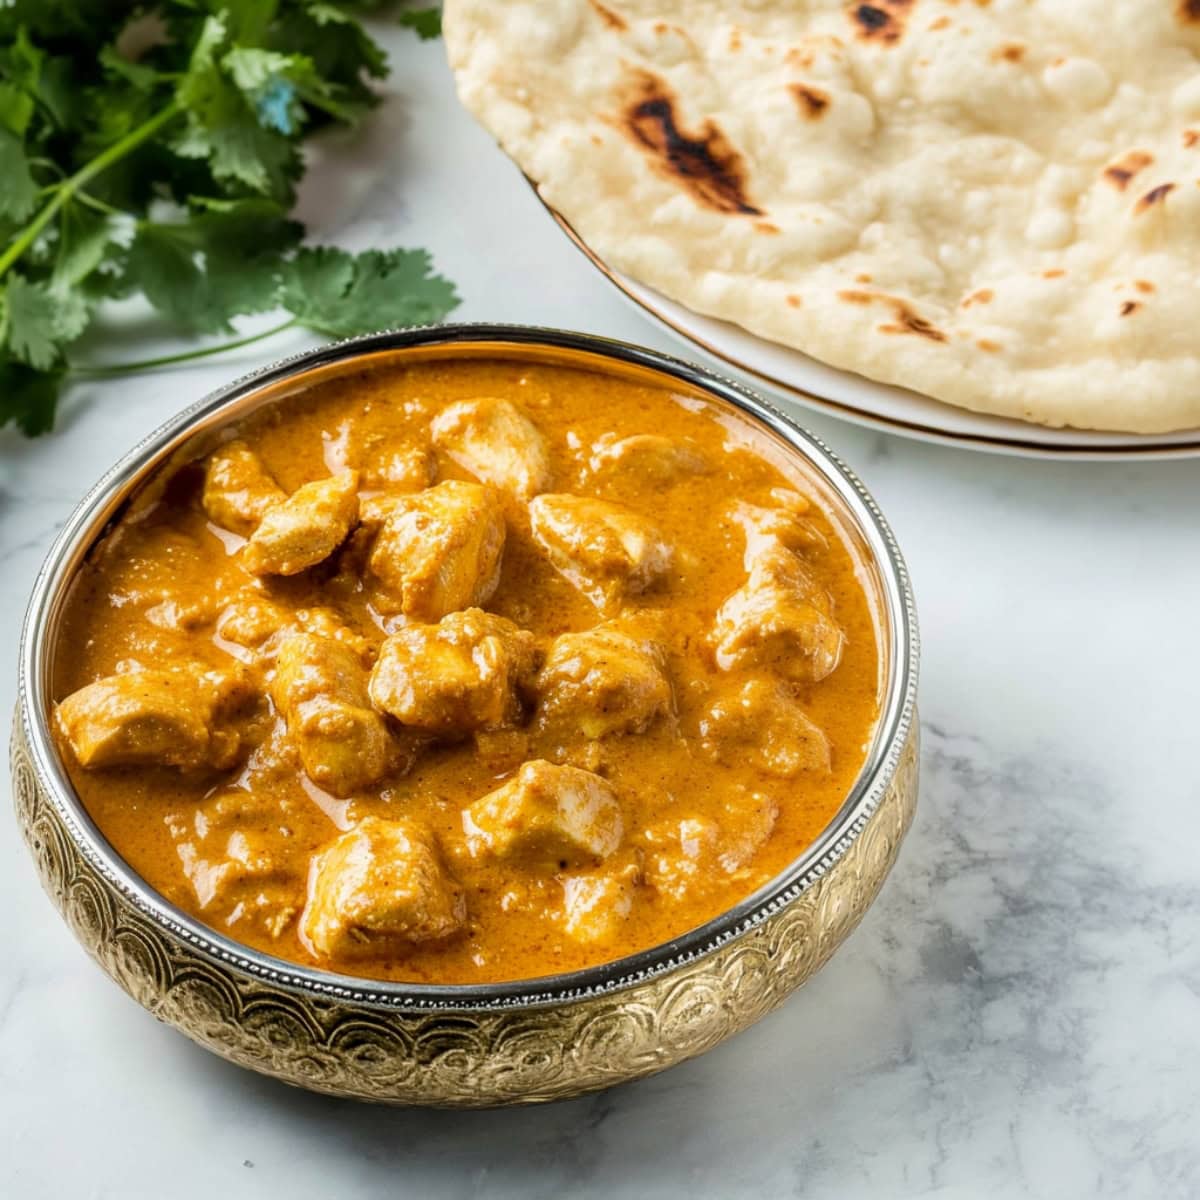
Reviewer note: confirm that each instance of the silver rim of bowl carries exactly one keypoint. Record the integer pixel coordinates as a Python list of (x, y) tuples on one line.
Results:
[(93, 514)]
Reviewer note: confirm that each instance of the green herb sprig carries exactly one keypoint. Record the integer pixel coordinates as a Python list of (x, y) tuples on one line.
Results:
[(156, 149)]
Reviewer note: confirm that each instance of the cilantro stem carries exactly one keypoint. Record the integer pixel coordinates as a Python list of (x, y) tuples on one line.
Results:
[(86, 173), (100, 370)]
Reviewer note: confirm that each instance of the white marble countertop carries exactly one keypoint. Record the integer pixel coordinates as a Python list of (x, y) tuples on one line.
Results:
[(1018, 1015)]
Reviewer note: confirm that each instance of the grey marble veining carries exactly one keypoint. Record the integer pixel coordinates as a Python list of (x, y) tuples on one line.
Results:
[(1019, 1015)]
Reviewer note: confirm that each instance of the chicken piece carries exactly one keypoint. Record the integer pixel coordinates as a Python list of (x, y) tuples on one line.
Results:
[(389, 474), (778, 619), (306, 528), (765, 527), (603, 681), (545, 816), (463, 674), (378, 889), (606, 550), (597, 904), (692, 854), (254, 623), (238, 490), (324, 622), (320, 688), (649, 457), (177, 718), (392, 467), (228, 851), (494, 440), (250, 620), (762, 725), (440, 551)]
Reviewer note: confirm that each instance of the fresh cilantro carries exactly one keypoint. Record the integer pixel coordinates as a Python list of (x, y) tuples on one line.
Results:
[(90, 249), (36, 322), (341, 294), (158, 153), (28, 398), (426, 22), (18, 192)]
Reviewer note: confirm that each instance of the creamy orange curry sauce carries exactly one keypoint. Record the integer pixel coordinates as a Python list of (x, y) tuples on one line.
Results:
[(472, 670)]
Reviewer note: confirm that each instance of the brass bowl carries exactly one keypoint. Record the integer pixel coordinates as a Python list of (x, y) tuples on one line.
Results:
[(519, 1042)]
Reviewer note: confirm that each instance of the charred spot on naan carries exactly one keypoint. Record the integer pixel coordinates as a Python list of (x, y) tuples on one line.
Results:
[(1124, 169), (609, 16), (1189, 12), (907, 321), (812, 101), (981, 296), (1011, 52), (1129, 307), (882, 21), (708, 165), (1156, 195), (1191, 137)]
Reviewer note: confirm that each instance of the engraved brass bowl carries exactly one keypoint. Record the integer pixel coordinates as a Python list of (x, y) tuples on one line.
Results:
[(518, 1042)]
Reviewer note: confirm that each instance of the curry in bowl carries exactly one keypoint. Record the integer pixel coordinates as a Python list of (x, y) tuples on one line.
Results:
[(470, 670)]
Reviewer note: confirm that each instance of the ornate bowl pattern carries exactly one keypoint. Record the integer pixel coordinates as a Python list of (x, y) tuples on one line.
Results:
[(461, 1046)]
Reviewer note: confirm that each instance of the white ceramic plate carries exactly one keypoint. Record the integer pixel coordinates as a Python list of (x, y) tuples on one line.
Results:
[(792, 376)]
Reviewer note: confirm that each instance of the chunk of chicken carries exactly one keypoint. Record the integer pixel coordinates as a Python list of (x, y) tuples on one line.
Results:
[(597, 904), (649, 457), (306, 528), (762, 725), (377, 889), (691, 854), (320, 688), (603, 681), (238, 489), (254, 623), (545, 816), (606, 550), (778, 619), (250, 620), (463, 674), (766, 527), (494, 440), (227, 849), (439, 551), (178, 718), (398, 467)]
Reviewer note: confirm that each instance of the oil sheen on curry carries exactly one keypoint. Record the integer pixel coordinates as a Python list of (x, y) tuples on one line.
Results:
[(468, 670)]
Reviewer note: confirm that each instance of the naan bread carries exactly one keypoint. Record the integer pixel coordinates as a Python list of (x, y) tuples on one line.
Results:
[(996, 204)]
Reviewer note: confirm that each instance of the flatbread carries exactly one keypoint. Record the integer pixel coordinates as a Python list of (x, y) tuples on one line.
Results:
[(996, 204)]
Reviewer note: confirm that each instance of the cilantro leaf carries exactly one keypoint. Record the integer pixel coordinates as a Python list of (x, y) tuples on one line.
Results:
[(341, 294), (18, 192), (88, 242), (244, 242), (224, 261), (167, 268), (339, 48), (16, 109), (28, 398), (277, 87), (425, 22), (36, 322), (223, 126)]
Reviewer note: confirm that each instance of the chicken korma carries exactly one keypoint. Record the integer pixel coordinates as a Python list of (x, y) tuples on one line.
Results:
[(465, 671)]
